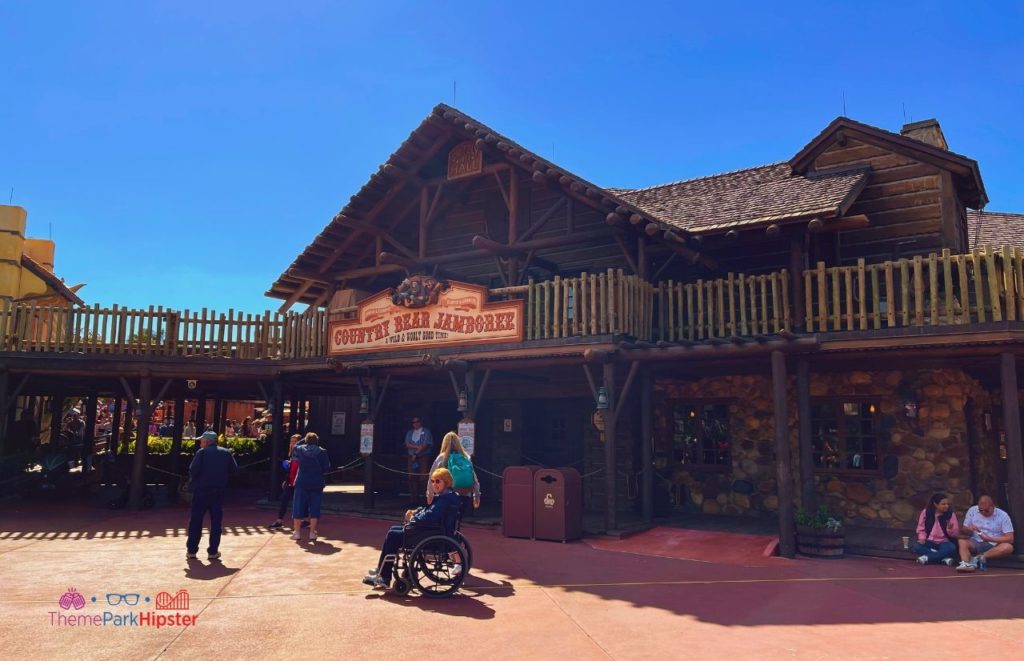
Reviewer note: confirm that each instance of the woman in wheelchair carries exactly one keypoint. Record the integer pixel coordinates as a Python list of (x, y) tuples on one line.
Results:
[(425, 550)]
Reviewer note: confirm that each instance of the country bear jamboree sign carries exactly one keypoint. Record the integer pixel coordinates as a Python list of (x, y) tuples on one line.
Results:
[(455, 314)]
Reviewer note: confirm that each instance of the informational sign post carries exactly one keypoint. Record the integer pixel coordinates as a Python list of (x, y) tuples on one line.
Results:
[(366, 438), (467, 435), (338, 423)]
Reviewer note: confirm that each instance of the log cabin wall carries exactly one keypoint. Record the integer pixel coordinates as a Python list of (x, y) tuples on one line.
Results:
[(912, 205), (481, 210)]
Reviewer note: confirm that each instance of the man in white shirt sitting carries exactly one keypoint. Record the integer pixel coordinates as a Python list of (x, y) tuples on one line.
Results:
[(986, 533)]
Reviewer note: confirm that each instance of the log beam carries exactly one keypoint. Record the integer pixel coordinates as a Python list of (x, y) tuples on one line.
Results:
[(783, 465), (820, 226)]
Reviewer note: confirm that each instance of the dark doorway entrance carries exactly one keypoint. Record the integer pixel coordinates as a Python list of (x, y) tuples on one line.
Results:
[(444, 417), (554, 432)]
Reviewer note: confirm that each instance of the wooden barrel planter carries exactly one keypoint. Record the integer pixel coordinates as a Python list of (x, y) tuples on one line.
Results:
[(819, 542)]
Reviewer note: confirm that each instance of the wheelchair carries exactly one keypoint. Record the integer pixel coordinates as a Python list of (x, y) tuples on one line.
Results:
[(431, 560)]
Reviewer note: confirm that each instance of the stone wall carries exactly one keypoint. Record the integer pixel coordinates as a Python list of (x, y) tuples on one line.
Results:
[(928, 452)]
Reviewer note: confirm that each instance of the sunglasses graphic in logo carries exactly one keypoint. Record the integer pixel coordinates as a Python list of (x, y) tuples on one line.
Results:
[(115, 599), (72, 599), (178, 602)]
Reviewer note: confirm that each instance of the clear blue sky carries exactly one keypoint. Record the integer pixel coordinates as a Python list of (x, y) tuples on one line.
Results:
[(184, 153)]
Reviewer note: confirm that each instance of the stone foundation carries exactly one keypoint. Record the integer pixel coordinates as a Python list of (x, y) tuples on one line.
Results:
[(923, 454)]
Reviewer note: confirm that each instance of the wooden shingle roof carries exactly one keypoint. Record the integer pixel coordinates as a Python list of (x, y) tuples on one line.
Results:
[(749, 198), (995, 228)]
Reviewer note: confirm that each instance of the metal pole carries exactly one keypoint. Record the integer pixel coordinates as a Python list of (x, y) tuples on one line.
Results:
[(141, 442)]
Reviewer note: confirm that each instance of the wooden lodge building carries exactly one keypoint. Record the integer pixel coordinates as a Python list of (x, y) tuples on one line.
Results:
[(824, 329)]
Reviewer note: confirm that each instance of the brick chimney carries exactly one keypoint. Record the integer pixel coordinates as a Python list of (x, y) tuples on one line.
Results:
[(927, 131)]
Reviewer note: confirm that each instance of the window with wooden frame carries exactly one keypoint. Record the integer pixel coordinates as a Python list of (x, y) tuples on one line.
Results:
[(700, 434), (845, 435)]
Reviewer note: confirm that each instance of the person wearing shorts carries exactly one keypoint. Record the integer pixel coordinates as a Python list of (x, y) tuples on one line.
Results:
[(987, 533), (309, 484)]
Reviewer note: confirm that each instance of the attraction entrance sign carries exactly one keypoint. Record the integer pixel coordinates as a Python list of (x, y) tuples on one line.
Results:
[(425, 312)]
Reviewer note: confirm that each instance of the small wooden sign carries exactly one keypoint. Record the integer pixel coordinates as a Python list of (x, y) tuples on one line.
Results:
[(465, 160)]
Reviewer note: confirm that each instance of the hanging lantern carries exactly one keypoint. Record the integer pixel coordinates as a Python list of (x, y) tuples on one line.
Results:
[(364, 405), (463, 402), (602, 399)]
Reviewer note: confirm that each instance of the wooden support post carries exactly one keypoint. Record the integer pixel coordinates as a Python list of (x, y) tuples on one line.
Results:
[(141, 445), (115, 426), (368, 465), (4, 409), (176, 436), (218, 420), (56, 417), (797, 264), (293, 416), (784, 469), (513, 223), (647, 446), (609, 447), (642, 265), (276, 406), (803, 414), (89, 434), (201, 415), (1014, 450)]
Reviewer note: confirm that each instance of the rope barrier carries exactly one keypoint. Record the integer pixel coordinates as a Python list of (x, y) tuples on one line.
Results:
[(352, 464), (400, 472)]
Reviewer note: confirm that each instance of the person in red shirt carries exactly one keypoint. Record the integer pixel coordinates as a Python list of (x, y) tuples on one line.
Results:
[(288, 485)]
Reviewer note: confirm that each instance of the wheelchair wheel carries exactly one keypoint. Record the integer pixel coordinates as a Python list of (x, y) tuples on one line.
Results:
[(434, 571), (461, 539), (401, 586)]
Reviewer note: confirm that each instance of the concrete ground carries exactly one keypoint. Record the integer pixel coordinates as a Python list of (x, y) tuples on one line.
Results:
[(664, 596)]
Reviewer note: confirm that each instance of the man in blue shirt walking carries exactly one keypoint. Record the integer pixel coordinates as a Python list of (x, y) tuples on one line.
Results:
[(309, 484), (208, 479)]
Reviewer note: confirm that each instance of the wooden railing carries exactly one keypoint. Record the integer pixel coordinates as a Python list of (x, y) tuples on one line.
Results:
[(162, 332), (588, 304), (985, 285), (734, 306)]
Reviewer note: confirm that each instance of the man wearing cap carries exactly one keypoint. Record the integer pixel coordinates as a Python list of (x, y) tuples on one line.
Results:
[(208, 479)]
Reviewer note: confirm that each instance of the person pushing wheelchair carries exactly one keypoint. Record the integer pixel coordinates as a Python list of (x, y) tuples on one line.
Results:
[(441, 513)]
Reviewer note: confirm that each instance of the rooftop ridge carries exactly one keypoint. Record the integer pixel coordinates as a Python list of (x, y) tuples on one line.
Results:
[(706, 176)]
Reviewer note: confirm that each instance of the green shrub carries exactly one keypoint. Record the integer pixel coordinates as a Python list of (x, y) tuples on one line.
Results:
[(822, 519)]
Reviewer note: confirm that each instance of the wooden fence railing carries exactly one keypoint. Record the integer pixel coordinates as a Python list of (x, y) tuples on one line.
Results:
[(588, 304), (984, 285), (734, 306), (159, 331)]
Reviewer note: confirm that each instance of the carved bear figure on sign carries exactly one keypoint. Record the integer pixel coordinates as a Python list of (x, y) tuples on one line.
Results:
[(418, 291)]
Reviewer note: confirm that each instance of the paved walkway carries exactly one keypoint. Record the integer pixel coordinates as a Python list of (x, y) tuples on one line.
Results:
[(270, 597)]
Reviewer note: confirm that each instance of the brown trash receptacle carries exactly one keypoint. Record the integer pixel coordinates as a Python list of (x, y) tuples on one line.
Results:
[(557, 504), (517, 501)]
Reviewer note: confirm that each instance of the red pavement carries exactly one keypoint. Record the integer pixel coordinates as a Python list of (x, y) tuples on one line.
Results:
[(271, 597)]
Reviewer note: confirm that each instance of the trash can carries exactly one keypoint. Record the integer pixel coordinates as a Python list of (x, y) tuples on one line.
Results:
[(517, 501), (557, 504)]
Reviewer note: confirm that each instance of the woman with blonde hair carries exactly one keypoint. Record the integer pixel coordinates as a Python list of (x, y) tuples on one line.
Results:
[(455, 458)]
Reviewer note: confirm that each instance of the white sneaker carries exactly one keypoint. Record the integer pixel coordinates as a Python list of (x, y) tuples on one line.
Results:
[(922, 560), (456, 569), (965, 567), (949, 562), (296, 535), (312, 535)]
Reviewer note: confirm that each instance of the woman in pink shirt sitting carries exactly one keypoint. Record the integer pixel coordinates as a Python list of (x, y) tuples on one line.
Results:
[(937, 531)]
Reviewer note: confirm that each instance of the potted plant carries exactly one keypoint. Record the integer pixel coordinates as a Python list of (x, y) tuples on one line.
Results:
[(819, 535)]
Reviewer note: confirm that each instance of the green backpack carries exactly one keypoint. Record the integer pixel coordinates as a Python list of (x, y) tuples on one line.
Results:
[(461, 469)]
